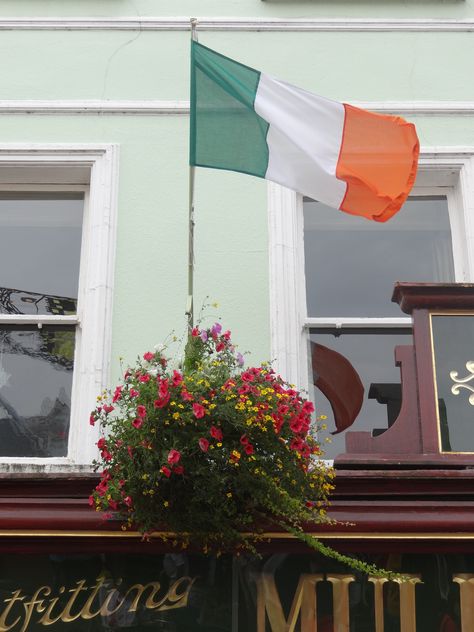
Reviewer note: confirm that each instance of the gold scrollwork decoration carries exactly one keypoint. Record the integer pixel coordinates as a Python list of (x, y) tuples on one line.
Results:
[(461, 382)]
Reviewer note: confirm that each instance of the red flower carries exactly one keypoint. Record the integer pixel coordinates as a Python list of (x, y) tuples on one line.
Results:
[(216, 433), (174, 456), (166, 471), (198, 410), (144, 378), (130, 451), (92, 419), (204, 444), (244, 440), (138, 422), (101, 443), (178, 469), (226, 335), (148, 356), (108, 409), (91, 501), (245, 388), (162, 387), (134, 393), (128, 501), (113, 505), (220, 346), (195, 332), (117, 394), (177, 378), (308, 408), (141, 411), (247, 376), (249, 448), (161, 401), (186, 396)]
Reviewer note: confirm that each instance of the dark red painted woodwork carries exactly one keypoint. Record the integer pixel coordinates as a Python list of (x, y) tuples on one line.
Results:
[(413, 438), (433, 296)]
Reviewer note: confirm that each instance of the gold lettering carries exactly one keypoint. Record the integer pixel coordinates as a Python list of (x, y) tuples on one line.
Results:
[(140, 588), (268, 602), (33, 604), (378, 583), (66, 616), (112, 594), (466, 591), (86, 609), (174, 598), (46, 618), (340, 600), (4, 627), (407, 602)]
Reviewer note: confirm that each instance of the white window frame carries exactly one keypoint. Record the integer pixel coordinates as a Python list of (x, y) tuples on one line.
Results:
[(445, 171), (94, 170)]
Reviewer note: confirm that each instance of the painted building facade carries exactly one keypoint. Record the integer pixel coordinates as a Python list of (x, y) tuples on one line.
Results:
[(94, 186)]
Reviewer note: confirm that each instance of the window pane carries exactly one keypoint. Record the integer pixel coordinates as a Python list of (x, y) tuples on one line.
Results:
[(40, 244), (372, 356), (35, 390), (351, 264)]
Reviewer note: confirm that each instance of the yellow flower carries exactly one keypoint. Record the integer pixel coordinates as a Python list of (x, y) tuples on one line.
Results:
[(229, 494), (175, 415), (219, 445), (166, 503)]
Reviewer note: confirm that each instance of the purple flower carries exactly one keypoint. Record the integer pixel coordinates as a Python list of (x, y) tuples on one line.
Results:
[(203, 335), (216, 329), (240, 359)]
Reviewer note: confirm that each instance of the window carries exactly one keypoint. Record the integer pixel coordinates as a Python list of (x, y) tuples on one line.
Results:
[(331, 278), (57, 223), (40, 249)]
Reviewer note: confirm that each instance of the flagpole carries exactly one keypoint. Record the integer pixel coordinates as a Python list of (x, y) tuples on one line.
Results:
[(190, 303)]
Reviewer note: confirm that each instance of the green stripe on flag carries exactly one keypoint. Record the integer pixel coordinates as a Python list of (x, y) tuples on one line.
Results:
[(225, 131)]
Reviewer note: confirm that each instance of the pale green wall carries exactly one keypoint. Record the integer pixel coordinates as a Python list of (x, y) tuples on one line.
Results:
[(231, 233)]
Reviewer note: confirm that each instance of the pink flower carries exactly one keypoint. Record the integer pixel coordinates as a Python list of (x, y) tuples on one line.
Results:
[(226, 335), (247, 376), (128, 501), (178, 469), (198, 410), (174, 456), (216, 329), (108, 409), (138, 422), (130, 451), (141, 411), (177, 378), (92, 419), (216, 433), (144, 378), (161, 401), (117, 394), (244, 440), (204, 444), (186, 396), (91, 501), (148, 356), (166, 471), (308, 408), (134, 393), (162, 387)]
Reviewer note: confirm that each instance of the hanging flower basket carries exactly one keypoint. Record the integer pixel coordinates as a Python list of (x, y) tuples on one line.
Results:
[(210, 450)]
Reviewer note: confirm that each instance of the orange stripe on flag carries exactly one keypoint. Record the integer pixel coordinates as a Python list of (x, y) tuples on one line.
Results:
[(378, 161)]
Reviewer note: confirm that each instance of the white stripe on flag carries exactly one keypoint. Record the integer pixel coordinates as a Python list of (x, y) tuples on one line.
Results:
[(304, 139)]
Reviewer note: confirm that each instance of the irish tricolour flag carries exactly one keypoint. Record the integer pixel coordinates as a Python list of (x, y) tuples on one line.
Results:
[(243, 120)]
